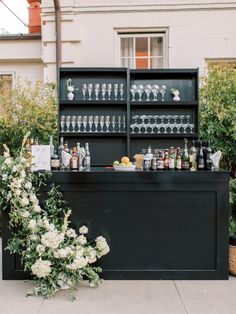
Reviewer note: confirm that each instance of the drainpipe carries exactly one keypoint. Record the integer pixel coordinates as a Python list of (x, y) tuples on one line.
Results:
[(58, 35)]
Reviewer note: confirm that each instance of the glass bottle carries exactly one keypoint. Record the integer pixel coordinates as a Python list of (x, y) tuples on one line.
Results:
[(66, 148), (87, 158), (51, 145), (55, 160), (74, 161), (200, 161), (160, 161), (166, 159), (208, 153), (193, 157), (172, 158), (185, 156), (60, 150), (178, 162), (78, 148)]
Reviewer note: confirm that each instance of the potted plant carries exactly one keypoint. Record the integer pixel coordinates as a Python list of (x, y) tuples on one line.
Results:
[(232, 245)]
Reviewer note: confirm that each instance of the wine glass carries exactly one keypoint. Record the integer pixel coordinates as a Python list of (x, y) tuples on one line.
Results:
[(68, 123), (140, 92), (113, 122), (155, 91), (109, 90), (85, 122), (175, 124), (79, 122), (104, 90), (152, 124), (107, 123), (119, 123), (97, 90), (134, 125), (148, 89), (121, 90), (143, 124), (73, 123), (96, 122), (101, 121), (62, 122), (84, 90), (90, 122), (157, 125), (90, 90), (116, 88), (133, 91), (162, 91), (123, 123), (181, 122)]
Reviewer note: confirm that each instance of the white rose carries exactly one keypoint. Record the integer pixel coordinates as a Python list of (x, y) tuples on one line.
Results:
[(71, 233), (25, 214), (82, 240), (37, 208), (28, 185), (41, 268), (83, 230), (40, 249), (52, 239), (32, 224)]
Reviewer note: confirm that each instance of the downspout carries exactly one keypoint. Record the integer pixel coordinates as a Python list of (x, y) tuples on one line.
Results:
[(58, 35)]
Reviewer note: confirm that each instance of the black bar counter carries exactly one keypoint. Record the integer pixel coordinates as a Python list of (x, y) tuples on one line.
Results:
[(159, 224)]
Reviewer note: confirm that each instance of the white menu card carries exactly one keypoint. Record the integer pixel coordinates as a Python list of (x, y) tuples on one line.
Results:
[(41, 157)]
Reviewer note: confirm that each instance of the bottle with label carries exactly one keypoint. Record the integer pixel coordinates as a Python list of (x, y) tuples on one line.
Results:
[(74, 161), (160, 161), (78, 148), (208, 153), (166, 159), (193, 157), (200, 160), (87, 158), (55, 160), (60, 150), (178, 162), (185, 156), (51, 145), (172, 158)]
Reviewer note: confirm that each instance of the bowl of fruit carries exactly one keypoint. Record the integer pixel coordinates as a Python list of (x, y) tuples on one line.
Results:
[(124, 165)]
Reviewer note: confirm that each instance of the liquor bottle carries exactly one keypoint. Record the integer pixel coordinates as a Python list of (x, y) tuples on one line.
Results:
[(178, 162), (78, 148), (55, 161), (160, 161), (74, 161), (200, 159), (208, 153), (66, 149), (193, 157), (51, 145), (166, 159), (185, 156), (172, 158), (87, 158), (60, 150)]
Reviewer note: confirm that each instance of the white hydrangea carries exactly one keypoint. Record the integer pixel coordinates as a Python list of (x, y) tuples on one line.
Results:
[(46, 223), (52, 239), (17, 192), (8, 161), (28, 185), (22, 174), (24, 201), (40, 249), (41, 268), (33, 237), (4, 177), (102, 245), (79, 252), (92, 255), (82, 239), (83, 230), (71, 233), (62, 253), (32, 224), (69, 251), (33, 198), (37, 208), (78, 263), (25, 214), (16, 183)]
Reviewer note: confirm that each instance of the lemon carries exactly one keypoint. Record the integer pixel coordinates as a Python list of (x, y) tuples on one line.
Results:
[(125, 160), (116, 163)]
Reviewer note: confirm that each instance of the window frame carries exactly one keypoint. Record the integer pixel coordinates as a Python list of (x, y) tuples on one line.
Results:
[(13, 75)]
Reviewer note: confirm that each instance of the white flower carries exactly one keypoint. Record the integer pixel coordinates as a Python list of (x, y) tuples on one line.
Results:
[(4, 177), (41, 268), (33, 237), (15, 184), (33, 198), (46, 223), (51, 227), (32, 224), (22, 174), (82, 240), (79, 252), (83, 230), (25, 214), (24, 201), (62, 253), (71, 233), (102, 245), (28, 185), (92, 255), (40, 249), (37, 208), (78, 263), (14, 169), (8, 161), (17, 192), (69, 251), (52, 239)]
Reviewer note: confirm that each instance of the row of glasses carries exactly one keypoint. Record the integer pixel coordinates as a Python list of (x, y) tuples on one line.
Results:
[(162, 124), (148, 92), (103, 91), (93, 124)]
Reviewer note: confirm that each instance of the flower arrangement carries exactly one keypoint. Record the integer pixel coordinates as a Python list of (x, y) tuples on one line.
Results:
[(57, 257), (70, 87)]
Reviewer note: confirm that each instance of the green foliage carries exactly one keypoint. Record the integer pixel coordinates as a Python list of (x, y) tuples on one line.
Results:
[(232, 227), (218, 112), (27, 107)]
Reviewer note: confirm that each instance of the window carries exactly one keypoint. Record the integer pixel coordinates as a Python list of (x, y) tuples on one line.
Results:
[(143, 51), (6, 82), (219, 61)]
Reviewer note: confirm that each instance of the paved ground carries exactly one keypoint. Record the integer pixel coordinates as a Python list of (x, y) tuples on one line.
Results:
[(126, 297)]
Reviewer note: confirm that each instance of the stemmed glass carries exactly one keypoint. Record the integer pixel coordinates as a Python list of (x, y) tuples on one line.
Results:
[(85, 122), (140, 125), (68, 123), (90, 90), (123, 123), (121, 90), (113, 122), (104, 90), (162, 91), (134, 125), (107, 123), (189, 125), (157, 125), (175, 124), (96, 122), (90, 122), (182, 122), (133, 91), (79, 122), (62, 123), (170, 125), (101, 120), (144, 125), (140, 92), (148, 89), (152, 124), (97, 90), (116, 87), (73, 123), (155, 91), (119, 123), (84, 90), (109, 90)]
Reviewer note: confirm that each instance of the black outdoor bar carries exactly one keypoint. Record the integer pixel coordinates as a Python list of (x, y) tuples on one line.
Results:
[(164, 224)]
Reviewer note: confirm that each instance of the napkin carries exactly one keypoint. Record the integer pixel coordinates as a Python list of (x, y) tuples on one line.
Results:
[(216, 159)]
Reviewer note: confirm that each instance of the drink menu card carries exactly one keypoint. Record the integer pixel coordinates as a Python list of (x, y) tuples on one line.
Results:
[(41, 157)]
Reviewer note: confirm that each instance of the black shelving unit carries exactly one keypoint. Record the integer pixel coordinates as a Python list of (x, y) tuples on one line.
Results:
[(107, 147)]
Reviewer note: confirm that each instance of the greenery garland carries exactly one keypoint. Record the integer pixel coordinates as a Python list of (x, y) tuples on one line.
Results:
[(55, 255)]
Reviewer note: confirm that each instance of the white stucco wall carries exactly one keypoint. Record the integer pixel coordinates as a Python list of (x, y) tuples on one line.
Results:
[(196, 30)]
